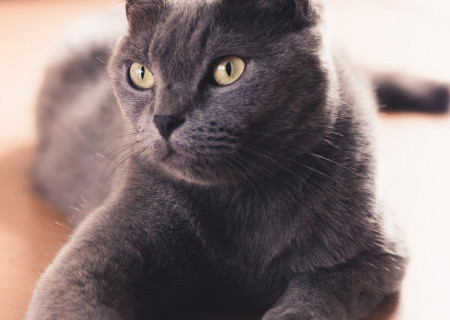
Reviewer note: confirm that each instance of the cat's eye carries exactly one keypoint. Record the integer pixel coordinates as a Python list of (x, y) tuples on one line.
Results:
[(227, 70), (141, 76)]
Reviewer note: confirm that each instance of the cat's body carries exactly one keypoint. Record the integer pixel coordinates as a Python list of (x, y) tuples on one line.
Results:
[(262, 202)]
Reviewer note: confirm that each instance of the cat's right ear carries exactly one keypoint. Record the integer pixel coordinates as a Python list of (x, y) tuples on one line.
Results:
[(296, 12), (143, 13)]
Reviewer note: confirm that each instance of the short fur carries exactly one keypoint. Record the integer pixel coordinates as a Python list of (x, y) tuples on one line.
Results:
[(261, 202)]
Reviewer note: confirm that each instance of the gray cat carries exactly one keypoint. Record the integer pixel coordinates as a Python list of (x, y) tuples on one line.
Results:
[(231, 171)]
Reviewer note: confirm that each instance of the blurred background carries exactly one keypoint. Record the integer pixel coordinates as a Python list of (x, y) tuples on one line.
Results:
[(409, 36)]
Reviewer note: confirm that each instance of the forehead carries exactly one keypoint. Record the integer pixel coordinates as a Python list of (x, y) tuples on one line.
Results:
[(194, 33), (206, 25), (185, 31)]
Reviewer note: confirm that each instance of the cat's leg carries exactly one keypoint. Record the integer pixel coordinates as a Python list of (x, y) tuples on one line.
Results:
[(120, 265), (349, 291)]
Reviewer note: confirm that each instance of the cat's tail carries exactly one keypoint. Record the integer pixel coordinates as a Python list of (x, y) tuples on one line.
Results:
[(403, 93)]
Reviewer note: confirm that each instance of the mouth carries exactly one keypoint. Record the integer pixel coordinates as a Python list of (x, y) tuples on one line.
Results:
[(161, 151), (180, 162), (173, 161), (169, 152), (190, 168)]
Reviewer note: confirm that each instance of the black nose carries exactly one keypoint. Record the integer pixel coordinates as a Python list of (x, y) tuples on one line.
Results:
[(167, 124)]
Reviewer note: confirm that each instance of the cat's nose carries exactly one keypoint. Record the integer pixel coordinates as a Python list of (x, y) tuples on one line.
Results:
[(166, 125)]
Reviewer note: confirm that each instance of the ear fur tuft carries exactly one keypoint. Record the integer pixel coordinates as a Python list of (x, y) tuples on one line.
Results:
[(305, 6)]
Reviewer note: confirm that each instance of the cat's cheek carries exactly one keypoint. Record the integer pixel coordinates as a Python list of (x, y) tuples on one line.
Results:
[(138, 111)]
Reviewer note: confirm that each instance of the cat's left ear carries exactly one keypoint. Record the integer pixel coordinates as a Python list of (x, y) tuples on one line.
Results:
[(142, 13)]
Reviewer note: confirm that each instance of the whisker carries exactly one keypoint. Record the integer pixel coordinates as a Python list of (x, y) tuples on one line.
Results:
[(279, 164), (247, 178), (335, 181), (116, 152), (301, 180), (115, 139), (334, 162), (257, 168), (125, 153), (131, 164), (125, 158), (330, 143)]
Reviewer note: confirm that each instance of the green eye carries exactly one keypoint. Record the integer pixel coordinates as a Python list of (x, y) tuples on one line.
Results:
[(228, 70), (141, 77)]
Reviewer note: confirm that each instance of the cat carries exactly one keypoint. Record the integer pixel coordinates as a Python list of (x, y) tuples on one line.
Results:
[(230, 169)]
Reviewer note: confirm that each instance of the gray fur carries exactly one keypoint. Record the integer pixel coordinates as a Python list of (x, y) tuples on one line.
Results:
[(264, 201)]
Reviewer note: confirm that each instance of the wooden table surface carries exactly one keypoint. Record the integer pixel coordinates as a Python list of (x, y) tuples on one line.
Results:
[(414, 163)]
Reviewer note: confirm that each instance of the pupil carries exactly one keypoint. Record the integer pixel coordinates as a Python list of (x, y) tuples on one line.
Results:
[(228, 69), (142, 72)]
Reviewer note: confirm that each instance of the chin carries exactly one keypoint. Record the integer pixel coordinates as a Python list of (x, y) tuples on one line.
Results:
[(194, 171)]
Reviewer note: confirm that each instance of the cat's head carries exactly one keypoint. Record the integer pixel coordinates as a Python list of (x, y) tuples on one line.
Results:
[(224, 91)]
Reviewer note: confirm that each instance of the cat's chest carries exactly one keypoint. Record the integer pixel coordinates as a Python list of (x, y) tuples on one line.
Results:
[(256, 245), (249, 245)]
